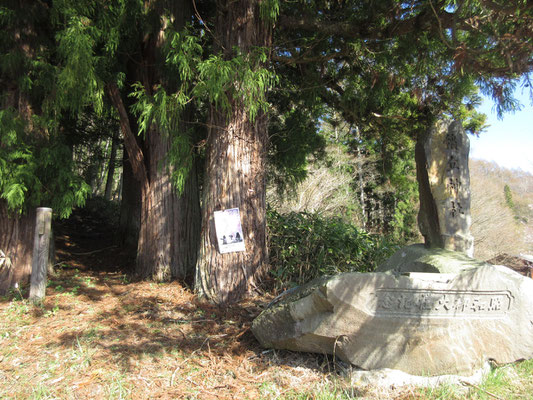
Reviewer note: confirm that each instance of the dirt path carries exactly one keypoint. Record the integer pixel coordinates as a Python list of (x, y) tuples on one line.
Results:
[(85, 242)]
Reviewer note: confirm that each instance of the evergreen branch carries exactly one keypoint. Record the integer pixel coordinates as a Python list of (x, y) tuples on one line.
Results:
[(309, 60), (444, 40), (368, 31)]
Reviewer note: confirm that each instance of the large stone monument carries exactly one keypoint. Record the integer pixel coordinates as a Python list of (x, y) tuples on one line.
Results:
[(422, 324), (444, 186), (430, 309)]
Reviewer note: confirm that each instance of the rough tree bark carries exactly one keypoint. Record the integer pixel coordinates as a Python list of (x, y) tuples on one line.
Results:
[(16, 231), (168, 226), (169, 222), (16, 236), (235, 171)]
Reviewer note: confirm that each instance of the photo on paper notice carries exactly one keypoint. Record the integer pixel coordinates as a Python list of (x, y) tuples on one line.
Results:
[(229, 230)]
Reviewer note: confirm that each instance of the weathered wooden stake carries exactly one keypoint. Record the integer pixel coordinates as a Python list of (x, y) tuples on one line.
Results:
[(41, 250)]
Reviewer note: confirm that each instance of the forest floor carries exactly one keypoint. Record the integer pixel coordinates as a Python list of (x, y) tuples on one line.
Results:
[(97, 335)]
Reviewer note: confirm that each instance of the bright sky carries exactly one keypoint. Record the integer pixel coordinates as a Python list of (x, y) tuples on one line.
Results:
[(508, 142)]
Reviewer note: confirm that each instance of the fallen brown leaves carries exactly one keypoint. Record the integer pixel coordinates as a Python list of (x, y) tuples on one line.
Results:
[(98, 336)]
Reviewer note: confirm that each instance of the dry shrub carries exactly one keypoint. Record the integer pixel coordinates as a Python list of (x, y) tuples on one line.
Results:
[(494, 224), (327, 190)]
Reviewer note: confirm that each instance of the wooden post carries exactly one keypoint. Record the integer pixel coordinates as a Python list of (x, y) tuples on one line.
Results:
[(41, 249)]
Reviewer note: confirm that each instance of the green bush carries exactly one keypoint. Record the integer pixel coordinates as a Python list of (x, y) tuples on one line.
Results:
[(304, 246)]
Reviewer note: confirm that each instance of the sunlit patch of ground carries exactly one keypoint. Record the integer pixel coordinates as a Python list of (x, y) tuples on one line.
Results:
[(98, 336)]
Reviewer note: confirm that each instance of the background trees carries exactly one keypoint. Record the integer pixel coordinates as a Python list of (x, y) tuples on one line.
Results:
[(497, 226)]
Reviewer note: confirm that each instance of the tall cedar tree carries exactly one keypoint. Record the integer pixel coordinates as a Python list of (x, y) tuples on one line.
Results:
[(169, 219), (235, 166)]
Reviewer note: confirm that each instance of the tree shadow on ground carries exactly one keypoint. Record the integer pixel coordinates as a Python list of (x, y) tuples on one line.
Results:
[(136, 321)]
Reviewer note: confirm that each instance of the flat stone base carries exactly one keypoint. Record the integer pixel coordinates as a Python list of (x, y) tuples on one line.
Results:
[(388, 378), (419, 258)]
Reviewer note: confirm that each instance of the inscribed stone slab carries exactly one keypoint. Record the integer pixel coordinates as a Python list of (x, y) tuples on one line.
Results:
[(422, 324), (444, 186)]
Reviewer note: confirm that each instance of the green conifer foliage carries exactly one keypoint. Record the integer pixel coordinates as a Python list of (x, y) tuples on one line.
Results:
[(508, 197), (35, 163), (390, 68), (36, 172)]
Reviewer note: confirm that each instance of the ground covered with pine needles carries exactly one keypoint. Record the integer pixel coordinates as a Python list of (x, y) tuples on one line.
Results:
[(97, 335)]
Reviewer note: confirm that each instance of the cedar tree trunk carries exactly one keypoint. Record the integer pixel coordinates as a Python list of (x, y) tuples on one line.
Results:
[(169, 222), (169, 226), (235, 172), (16, 241)]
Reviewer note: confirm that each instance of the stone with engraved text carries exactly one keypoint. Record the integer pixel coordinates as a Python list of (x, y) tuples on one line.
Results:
[(422, 324)]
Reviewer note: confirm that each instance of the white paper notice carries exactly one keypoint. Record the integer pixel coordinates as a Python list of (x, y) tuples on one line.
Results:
[(229, 230)]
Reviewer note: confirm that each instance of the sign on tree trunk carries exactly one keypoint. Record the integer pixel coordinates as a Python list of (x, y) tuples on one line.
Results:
[(229, 230)]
